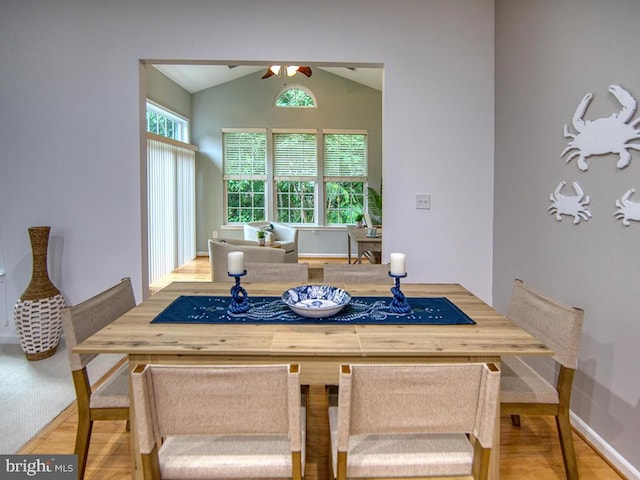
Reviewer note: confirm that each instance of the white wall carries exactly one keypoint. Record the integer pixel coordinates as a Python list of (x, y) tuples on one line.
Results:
[(549, 54)]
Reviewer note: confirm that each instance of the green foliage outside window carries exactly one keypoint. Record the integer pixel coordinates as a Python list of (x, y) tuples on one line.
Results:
[(295, 201), (344, 202), (295, 97), (245, 201), (374, 202), (163, 126)]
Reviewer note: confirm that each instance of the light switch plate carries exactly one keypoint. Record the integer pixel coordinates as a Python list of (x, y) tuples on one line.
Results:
[(423, 201)]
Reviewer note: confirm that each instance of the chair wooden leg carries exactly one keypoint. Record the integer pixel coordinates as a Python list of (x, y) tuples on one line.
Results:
[(85, 425), (341, 474), (150, 465), (566, 445), (481, 460), (515, 420)]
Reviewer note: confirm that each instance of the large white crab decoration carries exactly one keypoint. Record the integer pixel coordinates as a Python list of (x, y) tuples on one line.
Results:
[(574, 206), (605, 135), (627, 210)]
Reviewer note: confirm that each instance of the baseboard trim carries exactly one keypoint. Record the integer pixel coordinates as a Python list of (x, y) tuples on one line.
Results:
[(607, 452), (10, 338)]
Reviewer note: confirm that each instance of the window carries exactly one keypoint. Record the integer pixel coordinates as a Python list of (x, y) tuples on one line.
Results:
[(345, 176), (297, 96), (277, 175), (165, 123), (245, 174), (295, 174)]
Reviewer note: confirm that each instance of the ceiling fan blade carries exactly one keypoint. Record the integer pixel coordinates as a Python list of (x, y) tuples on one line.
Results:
[(268, 73), (305, 71)]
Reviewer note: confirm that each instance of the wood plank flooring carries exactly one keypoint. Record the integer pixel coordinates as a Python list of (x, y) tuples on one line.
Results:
[(531, 451)]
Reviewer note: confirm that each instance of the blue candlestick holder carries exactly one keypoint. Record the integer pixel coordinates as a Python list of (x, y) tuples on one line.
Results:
[(399, 303), (239, 297)]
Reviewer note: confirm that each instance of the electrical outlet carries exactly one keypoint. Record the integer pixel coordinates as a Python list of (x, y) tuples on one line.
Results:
[(215, 234), (423, 201)]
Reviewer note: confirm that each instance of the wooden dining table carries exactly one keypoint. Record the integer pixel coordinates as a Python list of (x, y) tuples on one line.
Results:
[(319, 349)]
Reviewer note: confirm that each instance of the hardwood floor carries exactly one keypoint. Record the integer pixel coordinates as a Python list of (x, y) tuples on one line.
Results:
[(531, 451)]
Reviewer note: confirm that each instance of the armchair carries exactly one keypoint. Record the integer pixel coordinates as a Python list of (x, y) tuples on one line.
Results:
[(218, 251), (284, 235)]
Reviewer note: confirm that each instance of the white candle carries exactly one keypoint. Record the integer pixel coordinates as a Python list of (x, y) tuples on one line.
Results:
[(398, 264), (235, 263)]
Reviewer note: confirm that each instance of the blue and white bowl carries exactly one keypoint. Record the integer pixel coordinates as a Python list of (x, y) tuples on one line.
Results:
[(316, 301)]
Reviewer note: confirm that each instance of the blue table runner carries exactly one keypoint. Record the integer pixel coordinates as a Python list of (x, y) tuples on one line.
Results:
[(272, 310)]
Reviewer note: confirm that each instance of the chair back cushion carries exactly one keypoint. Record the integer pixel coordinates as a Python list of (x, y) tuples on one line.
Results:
[(557, 325), (285, 233), (277, 272), (217, 400), (357, 273), (250, 231), (81, 321), (408, 399), (275, 232)]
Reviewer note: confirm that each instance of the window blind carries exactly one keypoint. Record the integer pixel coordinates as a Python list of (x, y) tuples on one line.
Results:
[(170, 206), (295, 156), (345, 155), (244, 155)]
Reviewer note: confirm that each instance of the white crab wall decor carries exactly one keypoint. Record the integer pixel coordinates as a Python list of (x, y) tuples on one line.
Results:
[(605, 135), (627, 210), (574, 205)]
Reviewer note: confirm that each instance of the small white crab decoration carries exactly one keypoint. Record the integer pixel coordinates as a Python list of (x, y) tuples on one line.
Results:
[(604, 135), (627, 210), (574, 206)]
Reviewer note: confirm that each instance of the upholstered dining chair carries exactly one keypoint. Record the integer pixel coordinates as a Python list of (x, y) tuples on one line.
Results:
[(526, 392), (408, 421), (357, 273), (109, 400), (212, 421), (277, 272)]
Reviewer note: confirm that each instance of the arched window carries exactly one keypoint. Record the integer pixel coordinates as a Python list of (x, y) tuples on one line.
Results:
[(296, 96)]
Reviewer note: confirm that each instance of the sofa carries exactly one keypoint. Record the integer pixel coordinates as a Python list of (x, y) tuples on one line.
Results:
[(219, 250), (280, 233)]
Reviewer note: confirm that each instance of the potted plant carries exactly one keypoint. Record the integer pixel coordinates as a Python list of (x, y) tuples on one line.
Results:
[(374, 204), (261, 234), (359, 220)]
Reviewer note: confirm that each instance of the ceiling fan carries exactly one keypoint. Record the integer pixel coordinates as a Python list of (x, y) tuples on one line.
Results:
[(289, 70)]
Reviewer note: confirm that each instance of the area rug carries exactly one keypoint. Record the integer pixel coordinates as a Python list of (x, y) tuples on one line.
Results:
[(32, 394)]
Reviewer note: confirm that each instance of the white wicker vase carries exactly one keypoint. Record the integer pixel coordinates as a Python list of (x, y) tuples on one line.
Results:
[(38, 311)]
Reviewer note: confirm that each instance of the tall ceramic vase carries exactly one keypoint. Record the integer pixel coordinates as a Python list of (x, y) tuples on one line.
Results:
[(38, 312)]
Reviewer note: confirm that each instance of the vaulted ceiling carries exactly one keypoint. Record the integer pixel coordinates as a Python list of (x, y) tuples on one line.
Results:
[(196, 77)]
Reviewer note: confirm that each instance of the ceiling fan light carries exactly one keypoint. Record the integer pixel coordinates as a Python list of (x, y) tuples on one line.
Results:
[(286, 70)]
